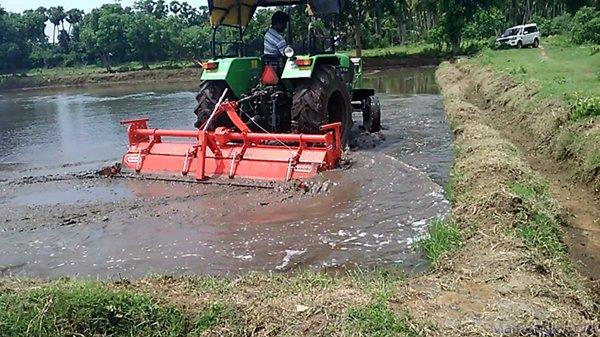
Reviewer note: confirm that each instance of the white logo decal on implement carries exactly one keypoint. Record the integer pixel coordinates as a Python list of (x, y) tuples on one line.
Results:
[(304, 168), (134, 159)]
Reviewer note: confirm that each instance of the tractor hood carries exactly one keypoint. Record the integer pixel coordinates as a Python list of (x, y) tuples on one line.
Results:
[(239, 12)]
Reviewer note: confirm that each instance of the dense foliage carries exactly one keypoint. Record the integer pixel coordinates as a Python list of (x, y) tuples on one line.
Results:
[(160, 30)]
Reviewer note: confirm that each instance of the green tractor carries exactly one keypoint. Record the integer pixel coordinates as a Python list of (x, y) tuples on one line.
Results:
[(296, 93)]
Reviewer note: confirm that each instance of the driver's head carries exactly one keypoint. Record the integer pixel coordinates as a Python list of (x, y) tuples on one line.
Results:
[(279, 21)]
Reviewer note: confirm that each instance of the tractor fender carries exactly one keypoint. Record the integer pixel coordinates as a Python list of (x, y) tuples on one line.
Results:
[(362, 94), (293, 71), (241, 73)]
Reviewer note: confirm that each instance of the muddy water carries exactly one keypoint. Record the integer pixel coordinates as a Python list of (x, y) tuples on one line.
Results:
[(369, 213)]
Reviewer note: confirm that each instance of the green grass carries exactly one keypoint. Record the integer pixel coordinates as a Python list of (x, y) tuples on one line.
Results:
[(584, 107), (98, 69), (378, 320), (406, 50), (559, 69), (539, 226), (570, 75), (165, 306), (216, 314), (444, 237), (86, 309)]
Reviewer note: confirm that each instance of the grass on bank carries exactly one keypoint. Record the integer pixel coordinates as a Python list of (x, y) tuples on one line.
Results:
[(81, 308), (377, 319), (400, 51), (96, 69), (540, 224), (425, 50), (405, 50), (558, 68), (353, 304), (444, 237)]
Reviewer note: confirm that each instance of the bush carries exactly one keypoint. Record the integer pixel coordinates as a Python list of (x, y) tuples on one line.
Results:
[(435, 36), (561, 24), (485, 24), (38, 56), (583, 107), (586, 26), (74, 59)]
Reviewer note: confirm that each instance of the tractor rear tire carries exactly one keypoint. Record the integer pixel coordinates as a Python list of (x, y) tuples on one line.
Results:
[(208, 96), (372, 114), (321, 100)]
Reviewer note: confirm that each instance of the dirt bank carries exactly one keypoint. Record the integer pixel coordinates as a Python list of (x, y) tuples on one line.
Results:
[(131, 77), (511, 274), (565, 153), (409, 61), (168, 76)]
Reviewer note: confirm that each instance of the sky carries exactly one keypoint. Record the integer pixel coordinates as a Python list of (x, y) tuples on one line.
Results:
[(87, 5)]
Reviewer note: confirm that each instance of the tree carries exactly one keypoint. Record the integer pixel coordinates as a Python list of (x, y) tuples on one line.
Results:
[(195, 42), (74, 16), (484, 24), (175, 7), (454, 15), (145, 34), (56, 15), (64, 40), (158, 9), (144, 5), (33, 23), (357, 10), (586, 26), (399, 11), (103, 33), (13, 47)]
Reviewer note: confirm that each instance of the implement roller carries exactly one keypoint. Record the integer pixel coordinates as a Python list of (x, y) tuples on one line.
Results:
[(231, 153)]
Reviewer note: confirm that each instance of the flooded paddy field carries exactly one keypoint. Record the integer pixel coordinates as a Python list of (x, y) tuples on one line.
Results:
[(56, 221)]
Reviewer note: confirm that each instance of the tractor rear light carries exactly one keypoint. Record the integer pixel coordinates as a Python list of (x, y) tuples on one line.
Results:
[(210, 65), (269, 76), (304, 62)]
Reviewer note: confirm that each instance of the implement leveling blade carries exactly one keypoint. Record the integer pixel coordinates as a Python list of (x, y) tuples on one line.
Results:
[(229, 153)]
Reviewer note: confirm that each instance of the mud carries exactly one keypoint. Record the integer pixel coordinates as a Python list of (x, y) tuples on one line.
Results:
[(56, 221)]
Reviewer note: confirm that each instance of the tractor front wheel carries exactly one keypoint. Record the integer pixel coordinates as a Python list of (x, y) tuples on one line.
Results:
[(208, 96), (372, 114), (321, 100)]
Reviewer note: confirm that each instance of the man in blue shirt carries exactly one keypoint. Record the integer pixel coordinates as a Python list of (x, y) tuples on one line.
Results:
[(275, 43)]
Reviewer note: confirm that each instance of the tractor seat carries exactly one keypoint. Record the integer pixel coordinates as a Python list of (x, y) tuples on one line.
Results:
[(278, 62)]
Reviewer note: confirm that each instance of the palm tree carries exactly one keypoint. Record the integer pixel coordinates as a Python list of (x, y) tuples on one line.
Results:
[(175, 7), (56, 15), (74, 16)]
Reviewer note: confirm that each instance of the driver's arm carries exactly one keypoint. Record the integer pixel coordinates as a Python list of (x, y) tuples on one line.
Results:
[(281, 45)]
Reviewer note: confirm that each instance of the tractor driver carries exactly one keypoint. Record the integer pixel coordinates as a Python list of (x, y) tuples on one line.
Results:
[(275, 43)]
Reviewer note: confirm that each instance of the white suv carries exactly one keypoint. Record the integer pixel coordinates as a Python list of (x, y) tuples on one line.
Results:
[(520, 36)]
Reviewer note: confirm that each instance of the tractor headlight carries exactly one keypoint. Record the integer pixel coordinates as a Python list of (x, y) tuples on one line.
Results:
[(289, 52)]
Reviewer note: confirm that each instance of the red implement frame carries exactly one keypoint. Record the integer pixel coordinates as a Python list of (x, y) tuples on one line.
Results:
[(228, 153)]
